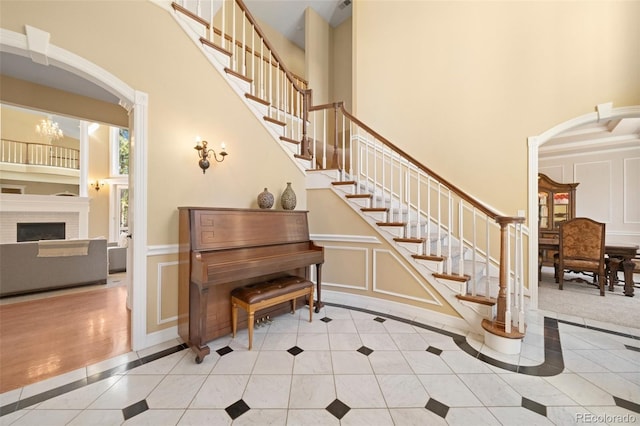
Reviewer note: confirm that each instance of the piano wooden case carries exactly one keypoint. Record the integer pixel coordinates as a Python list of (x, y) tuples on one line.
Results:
[(222, 249)]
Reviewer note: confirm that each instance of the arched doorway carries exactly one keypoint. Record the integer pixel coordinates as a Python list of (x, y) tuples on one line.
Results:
[(603, 112), (32, 45)]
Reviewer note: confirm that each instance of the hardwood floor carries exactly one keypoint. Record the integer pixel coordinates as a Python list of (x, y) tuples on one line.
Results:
[(50, 336)]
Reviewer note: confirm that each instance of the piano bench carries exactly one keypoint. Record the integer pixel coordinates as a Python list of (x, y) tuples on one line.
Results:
[(265, 294)]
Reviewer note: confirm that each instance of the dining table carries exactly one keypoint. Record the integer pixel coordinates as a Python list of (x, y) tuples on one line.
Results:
[(623, 252)]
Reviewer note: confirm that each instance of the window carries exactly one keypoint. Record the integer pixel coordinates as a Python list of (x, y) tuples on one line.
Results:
[(119, 165), (119, 142)]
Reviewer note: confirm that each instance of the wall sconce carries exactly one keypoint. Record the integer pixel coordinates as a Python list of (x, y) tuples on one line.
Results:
[(204, 153), (97, 184)]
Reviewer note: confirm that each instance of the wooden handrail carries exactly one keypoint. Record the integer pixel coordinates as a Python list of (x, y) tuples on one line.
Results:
[(227, 37), (268, 44), (190, 14), (254, 53), (460, 193)]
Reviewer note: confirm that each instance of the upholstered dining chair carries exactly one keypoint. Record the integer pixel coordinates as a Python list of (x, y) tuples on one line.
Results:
[(582, 249)]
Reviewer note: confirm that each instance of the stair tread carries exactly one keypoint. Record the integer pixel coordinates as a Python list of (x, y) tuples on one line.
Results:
[(256, 99), (274, 121), (427, 257), (374, 209), (238, 75), (409, 240), (344, 182), (483, 300), (358, 195), (390, 223), (286, 139)]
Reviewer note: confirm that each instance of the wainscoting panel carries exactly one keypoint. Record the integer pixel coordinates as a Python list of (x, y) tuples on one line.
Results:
[(631, 190), (554, 172), (167, 292), (392, 277), (593, 195), (350, 267)]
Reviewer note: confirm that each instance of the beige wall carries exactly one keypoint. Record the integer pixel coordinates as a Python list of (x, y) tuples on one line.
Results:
[(291, 54), (99, 169), (461, 85), (318, 56), (142, 45), (608, 190), (184, 101), (23, 93), (341, 70)]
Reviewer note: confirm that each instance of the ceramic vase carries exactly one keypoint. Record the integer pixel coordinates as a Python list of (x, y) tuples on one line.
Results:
[(265, 199), (288, 198)]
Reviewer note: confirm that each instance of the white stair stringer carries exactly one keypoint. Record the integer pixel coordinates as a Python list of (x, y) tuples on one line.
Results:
[(220, 61), (448, 289)]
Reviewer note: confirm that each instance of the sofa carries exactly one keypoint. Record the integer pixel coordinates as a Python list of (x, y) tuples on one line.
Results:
[(33, 266), (117, 258)]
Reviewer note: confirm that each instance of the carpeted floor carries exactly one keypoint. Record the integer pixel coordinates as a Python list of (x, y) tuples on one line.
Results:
[(584, 300)]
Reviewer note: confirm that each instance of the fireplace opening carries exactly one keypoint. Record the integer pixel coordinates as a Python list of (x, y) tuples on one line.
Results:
[(41, 231)]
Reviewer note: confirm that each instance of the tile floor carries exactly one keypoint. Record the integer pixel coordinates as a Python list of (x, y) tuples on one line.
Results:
[(354, 367)]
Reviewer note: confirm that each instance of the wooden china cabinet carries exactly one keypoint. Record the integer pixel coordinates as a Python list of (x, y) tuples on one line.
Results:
[(556, 204)]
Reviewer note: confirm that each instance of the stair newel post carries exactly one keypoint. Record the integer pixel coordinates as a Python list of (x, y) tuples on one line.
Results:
[(501, 316)]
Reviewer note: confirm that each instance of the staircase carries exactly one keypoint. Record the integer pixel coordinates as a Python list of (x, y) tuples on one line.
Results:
[(470, 253)]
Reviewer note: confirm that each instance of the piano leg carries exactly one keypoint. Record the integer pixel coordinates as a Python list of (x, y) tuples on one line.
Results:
[(198, 309), (318, 286)]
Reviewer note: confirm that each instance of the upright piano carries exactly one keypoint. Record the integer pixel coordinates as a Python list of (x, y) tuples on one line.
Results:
[(225, 248)]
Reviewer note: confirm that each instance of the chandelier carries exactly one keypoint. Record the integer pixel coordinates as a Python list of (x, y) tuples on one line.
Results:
[(49, 129)]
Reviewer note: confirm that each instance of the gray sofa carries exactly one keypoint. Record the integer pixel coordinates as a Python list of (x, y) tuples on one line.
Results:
[(117, 258), (23, 269)]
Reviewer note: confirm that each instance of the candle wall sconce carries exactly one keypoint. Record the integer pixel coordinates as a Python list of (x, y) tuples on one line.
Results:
[(97, 184), (204, 153)]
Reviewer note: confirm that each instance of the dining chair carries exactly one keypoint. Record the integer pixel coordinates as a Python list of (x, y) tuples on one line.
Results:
[(582, 249)]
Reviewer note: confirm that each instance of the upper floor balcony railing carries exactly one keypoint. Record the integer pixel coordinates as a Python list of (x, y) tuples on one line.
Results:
[(37, 154)]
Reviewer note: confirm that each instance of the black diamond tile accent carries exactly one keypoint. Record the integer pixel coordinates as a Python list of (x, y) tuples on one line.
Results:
[(631, 406), (379, 319), (326, 319), (224, 351), (338, 408), (365, 350), (434, 350), (536, 407), (295, 351), (437, 407), (237, 409), (135, 409), (632, 348)]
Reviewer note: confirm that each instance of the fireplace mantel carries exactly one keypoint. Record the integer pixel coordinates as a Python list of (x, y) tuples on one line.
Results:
[(16, 208)]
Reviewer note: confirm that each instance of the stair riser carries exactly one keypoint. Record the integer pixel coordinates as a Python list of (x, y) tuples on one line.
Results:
[(394, 231), (377, 216), (360, 202), (219, 57)]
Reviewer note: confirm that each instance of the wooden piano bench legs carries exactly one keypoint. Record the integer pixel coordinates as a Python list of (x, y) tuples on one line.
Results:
[(262, 295)]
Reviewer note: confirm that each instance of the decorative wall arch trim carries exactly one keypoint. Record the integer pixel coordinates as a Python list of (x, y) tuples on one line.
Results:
[(603, 111), (36, 45)]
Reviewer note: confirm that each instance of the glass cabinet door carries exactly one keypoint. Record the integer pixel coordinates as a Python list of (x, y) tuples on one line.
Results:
[(560, 208)]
